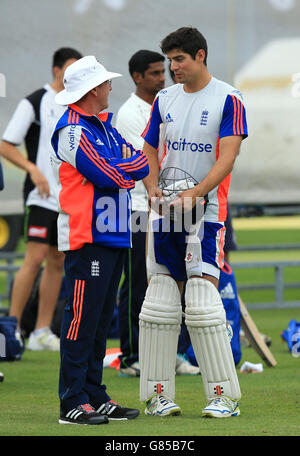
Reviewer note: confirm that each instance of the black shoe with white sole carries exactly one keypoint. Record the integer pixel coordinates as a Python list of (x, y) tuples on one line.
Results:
[(82, 414), (114, 411)]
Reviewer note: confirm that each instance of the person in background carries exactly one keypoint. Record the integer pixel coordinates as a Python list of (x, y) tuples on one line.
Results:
[(33, 122), (1, 177), (230, 238)]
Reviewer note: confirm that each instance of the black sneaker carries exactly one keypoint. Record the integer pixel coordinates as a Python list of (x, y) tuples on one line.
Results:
[(83, 414), (114, 411)]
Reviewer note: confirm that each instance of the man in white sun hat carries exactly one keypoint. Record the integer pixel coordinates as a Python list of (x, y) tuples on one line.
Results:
[(95, 169)]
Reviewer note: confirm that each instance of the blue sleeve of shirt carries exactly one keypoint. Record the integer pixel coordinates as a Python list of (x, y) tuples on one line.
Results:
[(137, 166), (234, 121), (98, 167), (151, 132)]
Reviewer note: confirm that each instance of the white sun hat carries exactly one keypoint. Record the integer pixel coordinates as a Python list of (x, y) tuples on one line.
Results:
[(82, 76)]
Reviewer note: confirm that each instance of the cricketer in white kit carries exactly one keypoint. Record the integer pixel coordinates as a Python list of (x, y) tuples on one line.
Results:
[(198, 126)]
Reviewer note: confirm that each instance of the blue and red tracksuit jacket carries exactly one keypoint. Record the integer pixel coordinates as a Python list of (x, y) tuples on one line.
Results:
[(93, 180)]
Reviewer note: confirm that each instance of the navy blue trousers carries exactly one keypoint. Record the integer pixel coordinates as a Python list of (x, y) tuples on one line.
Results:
[(92, 276), (132, 293)]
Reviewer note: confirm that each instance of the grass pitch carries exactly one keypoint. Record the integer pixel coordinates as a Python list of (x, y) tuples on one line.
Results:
[(270, 404)]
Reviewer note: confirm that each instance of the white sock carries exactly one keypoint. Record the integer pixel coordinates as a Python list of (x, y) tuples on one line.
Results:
[(40, 331)]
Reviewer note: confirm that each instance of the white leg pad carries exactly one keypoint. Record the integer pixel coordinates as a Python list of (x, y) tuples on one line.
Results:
[(205, 318), (160, 320)]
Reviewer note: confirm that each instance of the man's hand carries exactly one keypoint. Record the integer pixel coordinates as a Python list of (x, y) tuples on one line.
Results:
[(187, 200), (12, 153), (155, 199), (126, 152), (40, 181)]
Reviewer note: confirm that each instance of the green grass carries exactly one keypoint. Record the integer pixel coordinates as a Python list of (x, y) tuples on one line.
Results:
[(266, 275), (270, 403), (251, 276), (267, 236)]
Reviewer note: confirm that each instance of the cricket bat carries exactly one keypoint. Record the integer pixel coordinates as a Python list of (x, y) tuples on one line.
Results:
[(254, 336)]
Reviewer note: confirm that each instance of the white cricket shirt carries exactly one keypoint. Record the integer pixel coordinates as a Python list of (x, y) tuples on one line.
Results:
[(193, 124), (131, 121), (20, 128)]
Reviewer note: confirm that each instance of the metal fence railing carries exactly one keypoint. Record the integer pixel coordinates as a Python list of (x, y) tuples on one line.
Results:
[(279, 285), (9, 268)]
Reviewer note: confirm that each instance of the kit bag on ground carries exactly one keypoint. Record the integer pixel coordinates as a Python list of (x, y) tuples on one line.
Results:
[(11, 347), (291, 336)]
